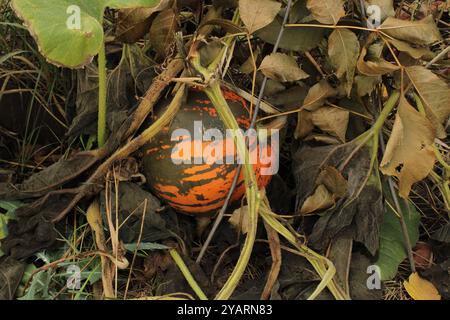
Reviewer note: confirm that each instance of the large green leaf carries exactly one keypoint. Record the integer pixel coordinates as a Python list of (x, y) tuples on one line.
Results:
[(60, 43), (392, 245)]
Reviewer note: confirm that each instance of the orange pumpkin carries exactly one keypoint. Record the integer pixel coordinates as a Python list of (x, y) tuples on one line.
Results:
[(196, 188)]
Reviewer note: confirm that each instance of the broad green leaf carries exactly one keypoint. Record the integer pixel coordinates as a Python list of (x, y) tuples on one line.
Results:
[(392, 245), (69, 32)]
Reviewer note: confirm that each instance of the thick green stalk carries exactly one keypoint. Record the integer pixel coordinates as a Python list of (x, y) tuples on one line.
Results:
[(102, 91), (214, 93)]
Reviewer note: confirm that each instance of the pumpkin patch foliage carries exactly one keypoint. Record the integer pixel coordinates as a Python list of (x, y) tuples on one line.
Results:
[(226, 149)]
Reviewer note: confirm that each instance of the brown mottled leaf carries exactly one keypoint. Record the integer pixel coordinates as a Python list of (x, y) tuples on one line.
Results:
[(409, 153)]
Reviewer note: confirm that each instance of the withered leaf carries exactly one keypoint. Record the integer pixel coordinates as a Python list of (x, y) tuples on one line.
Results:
[(360, 212), (374, 66), (326, 11), (310, 37), (421, 289), (332, 120), (162, 31), (415, 52), (318, 94), (435, 94), (304, 125), (423, 32), (320, 200), (257, 14), (343, 49), (281, 67), (365, 84), (409, 153)]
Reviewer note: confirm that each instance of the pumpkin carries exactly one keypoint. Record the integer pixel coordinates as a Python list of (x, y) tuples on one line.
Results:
[(203, 187)]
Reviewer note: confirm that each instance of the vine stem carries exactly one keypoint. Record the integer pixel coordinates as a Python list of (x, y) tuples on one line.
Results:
[(102, 92), (187, 274), (221, 214)]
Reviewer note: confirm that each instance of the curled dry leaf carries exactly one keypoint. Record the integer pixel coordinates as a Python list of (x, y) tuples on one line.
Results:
[(423, 32), (374, 66), (435, 94), (332, 120), (326, 11), (281, 67), (320, 200), (343, 49), (331, 186), (409, 153), (257, 14), (421, 289)]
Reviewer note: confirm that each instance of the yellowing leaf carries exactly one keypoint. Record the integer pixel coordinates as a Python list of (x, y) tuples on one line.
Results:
[(435, 94), (409, 153), (332, 120), (326, 11), (343, 49), (423, 32), (257, 14), (281, 67), (421, 289)]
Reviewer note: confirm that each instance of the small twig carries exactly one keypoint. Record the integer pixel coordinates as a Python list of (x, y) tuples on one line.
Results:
[(252, 125)]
